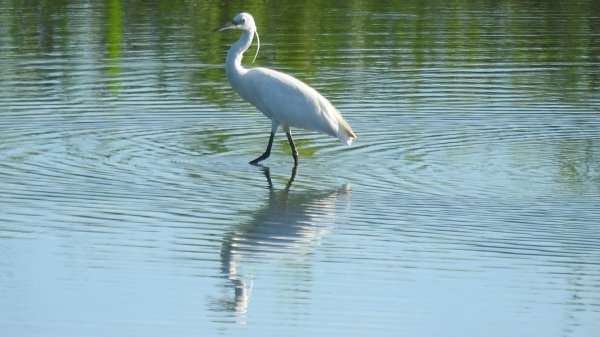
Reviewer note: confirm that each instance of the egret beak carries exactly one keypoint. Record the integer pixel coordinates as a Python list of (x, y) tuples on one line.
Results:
[(227, 25)]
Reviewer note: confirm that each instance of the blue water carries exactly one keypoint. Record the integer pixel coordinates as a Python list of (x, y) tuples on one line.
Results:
[(468, 205)]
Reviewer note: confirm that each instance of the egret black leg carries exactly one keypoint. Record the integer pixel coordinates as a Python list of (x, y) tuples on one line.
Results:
[(293, 146), (267, 152)]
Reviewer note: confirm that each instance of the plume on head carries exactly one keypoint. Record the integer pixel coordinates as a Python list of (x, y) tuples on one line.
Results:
[(257, 45)]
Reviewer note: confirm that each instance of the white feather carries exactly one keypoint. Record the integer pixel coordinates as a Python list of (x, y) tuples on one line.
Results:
[(287, 101)]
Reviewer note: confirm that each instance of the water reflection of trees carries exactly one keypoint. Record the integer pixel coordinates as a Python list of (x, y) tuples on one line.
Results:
[(286, 229), (557, 39)]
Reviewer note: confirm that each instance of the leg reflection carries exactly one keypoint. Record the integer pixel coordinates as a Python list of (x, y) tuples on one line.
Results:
[(267, 174), (287, 226)]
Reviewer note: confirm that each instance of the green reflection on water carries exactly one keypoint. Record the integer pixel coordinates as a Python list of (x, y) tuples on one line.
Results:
[(304, 146), (579, 165), (559, 39), (209, 141), (113, 44)]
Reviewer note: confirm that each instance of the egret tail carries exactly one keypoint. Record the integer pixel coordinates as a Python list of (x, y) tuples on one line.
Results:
[(345, 133)]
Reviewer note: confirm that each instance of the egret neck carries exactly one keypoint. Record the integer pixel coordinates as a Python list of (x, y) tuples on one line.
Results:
[(233, 64)]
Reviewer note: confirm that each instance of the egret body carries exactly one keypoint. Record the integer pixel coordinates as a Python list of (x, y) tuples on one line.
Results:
[(287, 101)]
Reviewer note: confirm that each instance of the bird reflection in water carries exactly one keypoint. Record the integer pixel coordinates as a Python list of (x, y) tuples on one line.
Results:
[(287, 228)]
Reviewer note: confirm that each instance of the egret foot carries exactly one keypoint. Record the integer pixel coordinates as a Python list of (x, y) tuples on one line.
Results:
[(267, 152)]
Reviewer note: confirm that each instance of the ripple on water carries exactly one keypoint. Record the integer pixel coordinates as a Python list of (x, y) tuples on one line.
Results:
[(83, 168), (474, 178), (471, 150)]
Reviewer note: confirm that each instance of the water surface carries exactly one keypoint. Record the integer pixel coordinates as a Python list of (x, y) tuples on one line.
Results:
[(468, 205)]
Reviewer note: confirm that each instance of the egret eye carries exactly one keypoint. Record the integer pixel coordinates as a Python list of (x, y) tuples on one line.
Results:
[(243, 20)]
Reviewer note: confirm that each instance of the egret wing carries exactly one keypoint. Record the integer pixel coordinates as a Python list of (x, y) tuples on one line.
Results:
[(291, 102)]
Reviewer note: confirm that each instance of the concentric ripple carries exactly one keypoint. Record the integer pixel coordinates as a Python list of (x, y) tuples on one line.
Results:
[(467, 206)]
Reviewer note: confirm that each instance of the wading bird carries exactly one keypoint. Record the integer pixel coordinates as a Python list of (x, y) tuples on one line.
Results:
[(287, 101)]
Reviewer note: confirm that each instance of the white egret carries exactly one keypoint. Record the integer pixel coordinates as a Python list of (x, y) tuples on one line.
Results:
[(287, 101)]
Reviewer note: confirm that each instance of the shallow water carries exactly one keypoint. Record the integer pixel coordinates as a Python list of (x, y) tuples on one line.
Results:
[(468, 205)]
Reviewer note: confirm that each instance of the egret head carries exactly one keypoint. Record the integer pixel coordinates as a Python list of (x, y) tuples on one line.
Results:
[(243, 21)]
